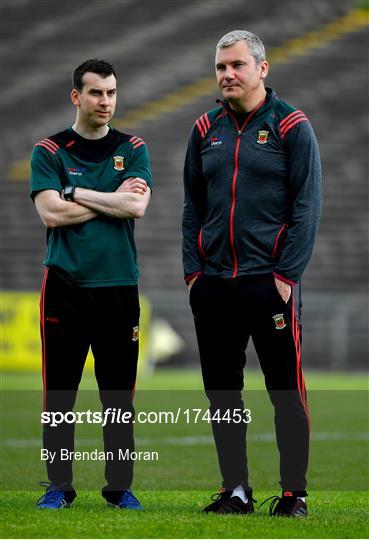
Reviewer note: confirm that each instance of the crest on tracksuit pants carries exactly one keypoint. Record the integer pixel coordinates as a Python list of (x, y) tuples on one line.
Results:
[(279, 321), (135, 333)]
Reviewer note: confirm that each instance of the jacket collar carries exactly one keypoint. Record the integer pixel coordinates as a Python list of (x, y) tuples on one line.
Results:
[(270, 97)]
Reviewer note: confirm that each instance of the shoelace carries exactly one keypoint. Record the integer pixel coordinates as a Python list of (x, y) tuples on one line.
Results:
[(216, 496), (285, 504), (52, 494)]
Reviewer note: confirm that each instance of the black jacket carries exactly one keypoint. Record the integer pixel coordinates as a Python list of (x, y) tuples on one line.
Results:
[(252, 193)]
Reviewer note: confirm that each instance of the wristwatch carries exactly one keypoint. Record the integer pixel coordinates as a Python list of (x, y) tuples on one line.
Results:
[(68, 193)]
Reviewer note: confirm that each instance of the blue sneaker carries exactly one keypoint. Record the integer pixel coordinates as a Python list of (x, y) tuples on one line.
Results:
[(128, 501), (53, 498)]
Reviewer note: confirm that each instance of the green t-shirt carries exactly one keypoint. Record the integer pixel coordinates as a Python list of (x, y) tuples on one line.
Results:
[(100, 252)]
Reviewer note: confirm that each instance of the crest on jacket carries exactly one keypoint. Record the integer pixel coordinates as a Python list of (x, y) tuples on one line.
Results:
[(118, 163), (262, 137)]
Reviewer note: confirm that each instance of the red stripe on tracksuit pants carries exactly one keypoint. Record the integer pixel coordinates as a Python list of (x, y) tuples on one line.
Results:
[(227, 313), (42, 328)]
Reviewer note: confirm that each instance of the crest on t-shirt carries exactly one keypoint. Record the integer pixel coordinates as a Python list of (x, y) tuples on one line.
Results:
[(118, 163)]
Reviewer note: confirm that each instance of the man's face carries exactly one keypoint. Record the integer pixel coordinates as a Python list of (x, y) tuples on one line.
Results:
[(96, 102), (238, 75)]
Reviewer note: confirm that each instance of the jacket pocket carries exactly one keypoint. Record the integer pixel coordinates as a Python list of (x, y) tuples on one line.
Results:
[(200, 246), (279, 240)]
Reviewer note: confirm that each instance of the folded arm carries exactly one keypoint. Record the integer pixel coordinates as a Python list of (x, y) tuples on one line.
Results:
[(54, 212), (124, 203)]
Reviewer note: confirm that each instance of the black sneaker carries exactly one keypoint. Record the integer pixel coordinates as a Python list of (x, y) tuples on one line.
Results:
[(235, 505), (218, 498), (289, 505)]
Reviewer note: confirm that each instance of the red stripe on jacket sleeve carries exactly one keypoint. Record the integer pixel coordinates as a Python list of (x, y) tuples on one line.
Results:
[(207, 121), (290, 126), (289, 117), (200, 128), (203, 124), (291, 120)]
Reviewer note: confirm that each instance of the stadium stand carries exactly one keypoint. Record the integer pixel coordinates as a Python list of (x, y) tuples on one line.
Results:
[(159, 48)]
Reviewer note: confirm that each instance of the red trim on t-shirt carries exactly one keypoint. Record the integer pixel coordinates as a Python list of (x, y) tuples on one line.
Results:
[(51, 143), (47, 146), (137, 145)]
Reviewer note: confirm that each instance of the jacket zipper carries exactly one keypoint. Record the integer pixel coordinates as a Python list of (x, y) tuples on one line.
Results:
[(233, 207), (234, 182)]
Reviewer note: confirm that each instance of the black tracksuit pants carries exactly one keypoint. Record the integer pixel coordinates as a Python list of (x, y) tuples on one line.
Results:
[(227, 312), (72, 320)]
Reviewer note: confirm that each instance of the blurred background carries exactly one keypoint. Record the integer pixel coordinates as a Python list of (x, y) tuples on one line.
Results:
[(164, 55)]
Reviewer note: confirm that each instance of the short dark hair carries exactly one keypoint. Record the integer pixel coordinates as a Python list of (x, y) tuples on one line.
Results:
[(94, 65)]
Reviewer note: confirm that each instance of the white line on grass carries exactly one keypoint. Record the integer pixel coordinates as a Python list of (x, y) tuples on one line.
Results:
[(195, 440)]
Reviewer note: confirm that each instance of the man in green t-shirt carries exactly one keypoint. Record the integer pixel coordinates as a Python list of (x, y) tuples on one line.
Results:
[(89, 183)]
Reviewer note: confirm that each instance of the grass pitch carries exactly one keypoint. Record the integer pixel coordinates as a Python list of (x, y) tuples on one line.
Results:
[(173, 514), (174, 490)]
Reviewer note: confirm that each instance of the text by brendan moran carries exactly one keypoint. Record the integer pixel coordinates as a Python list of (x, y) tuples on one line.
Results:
[(63, 454)]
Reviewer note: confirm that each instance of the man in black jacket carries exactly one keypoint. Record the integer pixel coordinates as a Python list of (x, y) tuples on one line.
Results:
[(252, 184)]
